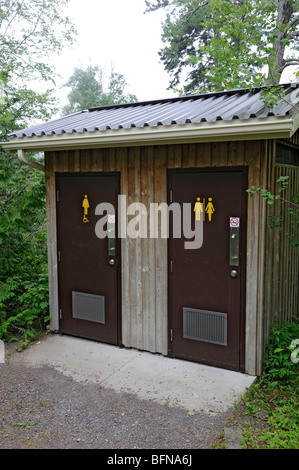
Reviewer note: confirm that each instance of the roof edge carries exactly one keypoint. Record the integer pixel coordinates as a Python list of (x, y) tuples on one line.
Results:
[(196, 96), (248, 129)]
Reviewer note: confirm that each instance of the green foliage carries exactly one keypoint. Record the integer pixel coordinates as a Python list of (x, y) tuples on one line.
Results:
[(22, 199), (270, 198), (274, 422), (23, 251), (293, 208), (272, 403), (230, 57), (24, 297), (184, 30), (29, 31), (87, 90), (282, 364), (227, 44), (270, 94)]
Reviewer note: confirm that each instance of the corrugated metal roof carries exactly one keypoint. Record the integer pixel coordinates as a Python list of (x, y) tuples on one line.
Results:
[(225, 105)]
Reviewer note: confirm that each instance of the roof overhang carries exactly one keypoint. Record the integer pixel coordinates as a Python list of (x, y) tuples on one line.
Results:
[(271, 127)]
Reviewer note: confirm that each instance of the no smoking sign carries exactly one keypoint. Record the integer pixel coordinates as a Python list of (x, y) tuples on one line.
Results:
[(234, 222)]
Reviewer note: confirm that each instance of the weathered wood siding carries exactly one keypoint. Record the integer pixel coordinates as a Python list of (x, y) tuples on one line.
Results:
[(144, 260), (281, 291)]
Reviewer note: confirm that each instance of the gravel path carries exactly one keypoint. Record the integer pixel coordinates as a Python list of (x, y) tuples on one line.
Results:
[(43, 409)]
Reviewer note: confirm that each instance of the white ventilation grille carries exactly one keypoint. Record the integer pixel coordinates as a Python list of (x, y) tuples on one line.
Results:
[(204, 325), (88, 307)]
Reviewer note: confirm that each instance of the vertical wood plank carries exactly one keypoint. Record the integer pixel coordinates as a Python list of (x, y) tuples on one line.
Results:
[(76, 160), (97, 160), (71, 160), (188, 155), (132, 267), (259, 352), (203, 155), (269, 255), (83, 162), (171, 155), (52, 241), (138, 268), (174, 155), (161, 261), (252, 159), (125, 251), (148, 254), (235, 151)]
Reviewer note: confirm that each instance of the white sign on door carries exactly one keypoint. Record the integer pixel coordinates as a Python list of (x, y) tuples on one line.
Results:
[(234, 222)]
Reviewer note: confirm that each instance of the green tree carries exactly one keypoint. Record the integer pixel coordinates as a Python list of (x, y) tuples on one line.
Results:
[(87, 90), (225, 44), (30, 30)]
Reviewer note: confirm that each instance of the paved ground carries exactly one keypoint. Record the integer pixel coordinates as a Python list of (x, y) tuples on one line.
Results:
[(69, 393), (190, 386)]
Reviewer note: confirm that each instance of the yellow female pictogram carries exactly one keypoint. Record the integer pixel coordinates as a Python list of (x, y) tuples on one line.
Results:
[(210, 209), (85, 205)]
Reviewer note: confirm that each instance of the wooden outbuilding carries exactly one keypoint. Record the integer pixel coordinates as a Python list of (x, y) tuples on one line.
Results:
[(153, 241)]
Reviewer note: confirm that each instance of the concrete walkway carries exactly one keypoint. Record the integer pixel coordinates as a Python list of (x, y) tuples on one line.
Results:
[(175, 382)]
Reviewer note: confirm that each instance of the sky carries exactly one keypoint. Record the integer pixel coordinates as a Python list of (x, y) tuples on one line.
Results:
[(117, 34)]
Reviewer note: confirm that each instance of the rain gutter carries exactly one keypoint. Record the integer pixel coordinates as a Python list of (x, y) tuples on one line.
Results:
[(272, 127)]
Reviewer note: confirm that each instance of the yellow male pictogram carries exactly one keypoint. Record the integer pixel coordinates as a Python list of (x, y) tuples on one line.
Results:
[(210, 209), (85, 205), (198, 209)]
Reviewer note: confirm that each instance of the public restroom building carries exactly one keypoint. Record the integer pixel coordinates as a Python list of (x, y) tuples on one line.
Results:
[(113, 171)]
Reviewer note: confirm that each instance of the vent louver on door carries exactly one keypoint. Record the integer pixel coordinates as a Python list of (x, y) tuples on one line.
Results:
[(204, 325), (88, 307)]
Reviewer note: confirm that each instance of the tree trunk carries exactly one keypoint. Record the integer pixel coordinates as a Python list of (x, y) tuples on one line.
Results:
[(277, 62)]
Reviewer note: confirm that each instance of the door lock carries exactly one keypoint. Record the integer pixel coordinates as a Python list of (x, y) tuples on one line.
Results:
[(233, 273), (111, 262), (234, 236)]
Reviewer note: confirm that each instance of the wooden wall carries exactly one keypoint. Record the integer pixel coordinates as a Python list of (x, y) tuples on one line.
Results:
[(144, 261), (281, 277)]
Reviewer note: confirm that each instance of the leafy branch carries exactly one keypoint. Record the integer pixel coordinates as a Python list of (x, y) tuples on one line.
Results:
[(293, 209)]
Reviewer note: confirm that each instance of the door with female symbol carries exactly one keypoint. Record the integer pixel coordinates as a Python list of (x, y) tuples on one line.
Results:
[(206, 285)]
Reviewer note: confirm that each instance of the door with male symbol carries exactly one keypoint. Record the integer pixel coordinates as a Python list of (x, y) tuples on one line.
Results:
[(88, 266), (202, 209), (206, 301)]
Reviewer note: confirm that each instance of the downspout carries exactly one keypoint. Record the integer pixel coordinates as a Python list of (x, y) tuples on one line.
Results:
[(26, 161)]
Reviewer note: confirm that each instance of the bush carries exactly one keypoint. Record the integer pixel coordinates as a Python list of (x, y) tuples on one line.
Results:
[(270, 406), (24, 296), (281, 364)]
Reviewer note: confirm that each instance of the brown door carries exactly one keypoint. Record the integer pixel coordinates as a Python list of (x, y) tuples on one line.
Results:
[(206, 285), (88, 266)]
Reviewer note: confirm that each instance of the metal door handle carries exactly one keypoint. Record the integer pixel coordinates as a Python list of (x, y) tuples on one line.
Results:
[(111, 235), (111, 262), (234, 246), (233, 273)]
